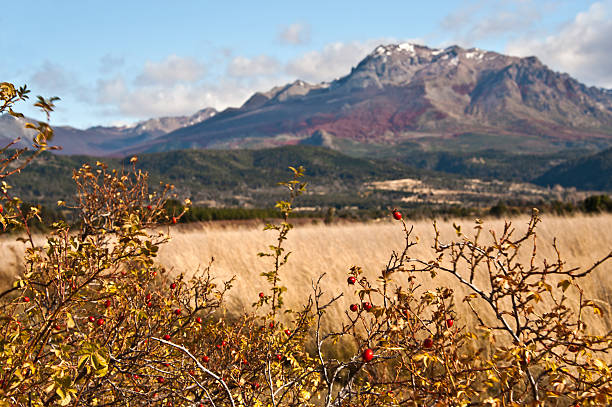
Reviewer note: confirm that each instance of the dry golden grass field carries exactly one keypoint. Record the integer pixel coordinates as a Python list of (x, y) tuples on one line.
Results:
[(334, 249)]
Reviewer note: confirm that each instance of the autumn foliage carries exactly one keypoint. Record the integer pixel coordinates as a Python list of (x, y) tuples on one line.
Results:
[(95, 320)]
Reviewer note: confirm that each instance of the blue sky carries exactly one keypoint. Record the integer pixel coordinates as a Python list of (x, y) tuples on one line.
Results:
[(117, 62)]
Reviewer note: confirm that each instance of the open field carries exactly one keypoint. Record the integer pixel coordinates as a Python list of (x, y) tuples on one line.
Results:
[(334, 249)]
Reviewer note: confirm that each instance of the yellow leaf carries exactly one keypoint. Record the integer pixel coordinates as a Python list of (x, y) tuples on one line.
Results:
[(601, 365), (69, 321), (564, 284)]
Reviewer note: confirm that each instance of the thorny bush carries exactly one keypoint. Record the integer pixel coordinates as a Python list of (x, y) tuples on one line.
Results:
[(94, 320)]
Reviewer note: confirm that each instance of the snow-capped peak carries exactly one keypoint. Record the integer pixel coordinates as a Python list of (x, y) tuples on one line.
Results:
[(391, 48)]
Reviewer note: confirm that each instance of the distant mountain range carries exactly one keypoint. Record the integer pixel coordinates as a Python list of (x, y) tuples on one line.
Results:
[(101, 140), (402, 95)]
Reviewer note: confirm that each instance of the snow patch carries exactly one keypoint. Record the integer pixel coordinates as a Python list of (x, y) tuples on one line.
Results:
[(437, 52), (474, 55), (380, 50), (406, 46), (454, 61)]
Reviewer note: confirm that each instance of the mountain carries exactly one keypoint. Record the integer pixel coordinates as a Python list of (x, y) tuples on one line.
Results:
[(101, 140), (400, 98), (409, 93), (593, 172)]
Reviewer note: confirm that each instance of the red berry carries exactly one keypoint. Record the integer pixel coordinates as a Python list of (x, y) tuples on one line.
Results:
[(351, 280), (367, 355), (218, 346), (397, 215), (100, 322), (245, 362), (177, 311), (57, 327), (174, 220), (1, 209), (261, 295), (167, 337), (136, 376), (271, 325), (255, 385), (279, 357), (428, 343), (223, 343), (173, 286), (148, 297), (354, 307), (449, 323), (287, 332), (191, 372), (367, 306), (160, 379), (199, 320), (149, 304), (26, 299), (92, 319), (205, 359), (149, 207), (107, 303)]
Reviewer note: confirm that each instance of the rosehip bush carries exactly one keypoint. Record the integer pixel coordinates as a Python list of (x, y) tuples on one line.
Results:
[(95, 320)]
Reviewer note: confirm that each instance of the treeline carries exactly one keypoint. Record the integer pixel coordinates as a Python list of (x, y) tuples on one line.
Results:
[(592, 204)]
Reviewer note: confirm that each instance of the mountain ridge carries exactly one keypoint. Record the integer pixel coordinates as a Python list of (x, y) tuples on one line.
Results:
[(100, 140)]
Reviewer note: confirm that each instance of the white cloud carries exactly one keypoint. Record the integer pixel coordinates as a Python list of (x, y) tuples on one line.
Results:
[(295, 34), (335, 60), (582, 47), (171, 70), (110, 90), (257, 66), (116, 98), (52, 77), (484, 20), (55, 80)]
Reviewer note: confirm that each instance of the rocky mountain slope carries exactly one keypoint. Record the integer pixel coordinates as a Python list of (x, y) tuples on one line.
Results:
[(407, 92)]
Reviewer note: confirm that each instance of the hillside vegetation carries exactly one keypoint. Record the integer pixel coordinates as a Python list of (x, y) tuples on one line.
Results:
[(247, 178), (591, 172)]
